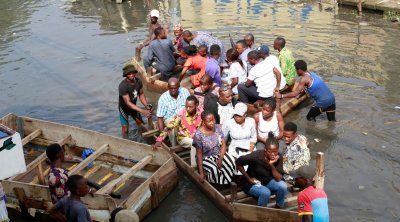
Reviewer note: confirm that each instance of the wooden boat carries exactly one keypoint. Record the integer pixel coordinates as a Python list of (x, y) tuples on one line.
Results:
[(238, 206), (153, 83), (129, 175)]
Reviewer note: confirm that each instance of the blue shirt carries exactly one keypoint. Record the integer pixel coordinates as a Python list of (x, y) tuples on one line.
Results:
[(169, 106), (320, 92), (214, 70)]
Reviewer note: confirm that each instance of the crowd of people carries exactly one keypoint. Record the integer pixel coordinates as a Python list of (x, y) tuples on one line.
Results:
[(210, 118)]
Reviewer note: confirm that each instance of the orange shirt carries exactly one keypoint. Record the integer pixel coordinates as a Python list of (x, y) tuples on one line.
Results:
[(196, 62)]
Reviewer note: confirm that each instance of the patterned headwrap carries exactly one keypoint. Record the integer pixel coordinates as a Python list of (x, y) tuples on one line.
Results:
[(178, 27)]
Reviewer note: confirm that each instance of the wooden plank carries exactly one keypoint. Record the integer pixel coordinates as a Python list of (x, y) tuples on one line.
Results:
[(287, 200), (31, 166), (31, 136), (111, 185), (99, 202), (233, 192), (292, 103), (151, 133), (89, 159), (10, 120), (40, 175), (64, 141), (36, 192), (239, 195), (246, 212), (320, 171)]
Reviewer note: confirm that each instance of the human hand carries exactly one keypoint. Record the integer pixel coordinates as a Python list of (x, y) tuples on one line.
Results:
[(157, 145), (273, 159), (146, 113), (201, 178), (278, 94), (92, 191)]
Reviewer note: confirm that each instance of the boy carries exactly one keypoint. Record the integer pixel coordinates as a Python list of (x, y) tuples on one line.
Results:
[(71, 209)]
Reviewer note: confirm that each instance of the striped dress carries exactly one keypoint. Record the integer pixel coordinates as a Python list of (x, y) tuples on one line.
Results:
[(210, 146)]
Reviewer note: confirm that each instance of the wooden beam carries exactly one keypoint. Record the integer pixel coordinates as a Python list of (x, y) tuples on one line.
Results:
[(233, 192), (89, 159), (151, 133), (287, 200), (40, 175), (31, 166), (320, 171), (31, 136), (64, 141), (114, 183)]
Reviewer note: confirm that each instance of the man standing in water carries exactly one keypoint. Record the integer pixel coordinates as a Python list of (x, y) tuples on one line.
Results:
[(129, 90), (154, 15), (161, 52), (318, 90)]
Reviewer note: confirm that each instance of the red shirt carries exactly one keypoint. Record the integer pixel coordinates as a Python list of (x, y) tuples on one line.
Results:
[(196, 62)]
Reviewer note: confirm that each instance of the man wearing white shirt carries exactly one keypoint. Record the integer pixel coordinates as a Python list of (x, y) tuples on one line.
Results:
[(263, 78)]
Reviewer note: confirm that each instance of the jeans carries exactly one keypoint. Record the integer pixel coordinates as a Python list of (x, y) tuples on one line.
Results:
[(263, 192)]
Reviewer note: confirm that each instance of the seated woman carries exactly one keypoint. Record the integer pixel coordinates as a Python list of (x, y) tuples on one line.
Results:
[(242, 132), (58, 176), (268, 120), (264, 173), (296, 153), (237, 70), (206, 86), (186, 122), (195, 63), (218, 165)]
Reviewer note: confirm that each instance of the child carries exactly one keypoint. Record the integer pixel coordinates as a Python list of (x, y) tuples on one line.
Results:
[(58, 176), (202, 51), (206, 86), (71, 209), (193, 62), (237, 70)]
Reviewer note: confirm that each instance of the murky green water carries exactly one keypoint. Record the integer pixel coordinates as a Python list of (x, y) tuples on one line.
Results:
[(61, 61)]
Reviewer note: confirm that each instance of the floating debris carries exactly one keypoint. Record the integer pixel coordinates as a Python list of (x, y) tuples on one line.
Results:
[(365, 133), (317, 140)]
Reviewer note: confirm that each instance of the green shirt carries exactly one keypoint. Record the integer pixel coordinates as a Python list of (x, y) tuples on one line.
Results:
[(286, 61)]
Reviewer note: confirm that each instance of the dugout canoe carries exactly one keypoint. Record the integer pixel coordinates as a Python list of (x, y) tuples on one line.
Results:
[(153, 83), (237, 205), (128, 175)]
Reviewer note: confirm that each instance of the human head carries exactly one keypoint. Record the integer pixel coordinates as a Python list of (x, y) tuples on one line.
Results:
[(187, 36), (215, 51), (160, 33), (241, 46), (240, 113), (263, 51), (289, 132), (202, 50), (225, 95), (205, 83), (54, 152), (253, 57), (271, 147), (129, 71), (268, 108), (190, 50), (191, 104), (173, 87), (178, 29), (301, 67), (279, 43), (249, 39), (232, 55), (78, 186), (154, 15), (208, 119)]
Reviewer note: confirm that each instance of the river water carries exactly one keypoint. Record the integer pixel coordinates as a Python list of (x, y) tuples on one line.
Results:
[(61, 61)]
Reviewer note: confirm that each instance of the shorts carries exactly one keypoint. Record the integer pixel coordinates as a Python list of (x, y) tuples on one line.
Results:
[(123, 116)]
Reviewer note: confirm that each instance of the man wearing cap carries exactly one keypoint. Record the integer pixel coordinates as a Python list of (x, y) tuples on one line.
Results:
[(286, 61), (262, 79), (154, 15), (312, 202), (242, 132), (161, 53), (129, 90)]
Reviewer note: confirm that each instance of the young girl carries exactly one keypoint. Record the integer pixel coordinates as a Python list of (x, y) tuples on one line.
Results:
[(237, 70), (206, 86)]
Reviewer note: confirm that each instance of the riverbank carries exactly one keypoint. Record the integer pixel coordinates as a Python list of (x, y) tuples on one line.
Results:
[(378, 5)]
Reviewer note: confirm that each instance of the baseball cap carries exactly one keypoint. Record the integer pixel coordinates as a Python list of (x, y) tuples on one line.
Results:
[(263, 49), (240, 109), (129, 68), (155, 13)]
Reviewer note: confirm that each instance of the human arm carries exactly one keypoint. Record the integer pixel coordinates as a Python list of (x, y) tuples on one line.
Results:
[(274, 169), (278, 77), (257, 120), (160, 123), (143, 99), (128, 102), (186, 66), (299, 89), (234, 82), (221, 153), (55, 212), (170, 126), (149, 58), (244, 161), (281, 124), (253, 134)]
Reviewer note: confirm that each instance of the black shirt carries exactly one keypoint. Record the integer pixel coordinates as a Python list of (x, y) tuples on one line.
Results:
[(133, 90), (258, 168)]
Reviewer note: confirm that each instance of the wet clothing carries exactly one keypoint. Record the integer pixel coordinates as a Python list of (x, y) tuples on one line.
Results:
[(168, 106), (320, 92), (133, 91), (197, 63), (313, 201), (57, 180), (74, 210), (161, 52), (286, 61), (206, 38), (214, 70)]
